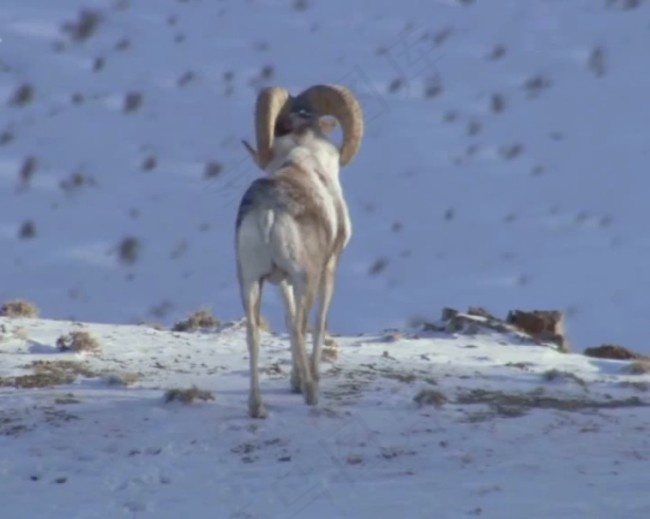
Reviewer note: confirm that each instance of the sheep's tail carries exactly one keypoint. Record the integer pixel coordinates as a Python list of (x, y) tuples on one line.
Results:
[(267, 219)]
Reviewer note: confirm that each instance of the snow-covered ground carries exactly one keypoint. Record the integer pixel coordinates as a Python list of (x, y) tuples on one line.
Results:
[(504, 163), (519, 430)]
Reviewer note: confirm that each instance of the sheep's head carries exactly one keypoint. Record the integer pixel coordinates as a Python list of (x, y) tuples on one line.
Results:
[(277, 113)]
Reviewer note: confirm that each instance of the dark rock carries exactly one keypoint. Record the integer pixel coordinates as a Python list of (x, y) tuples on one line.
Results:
[(612, 351), (543, 325)]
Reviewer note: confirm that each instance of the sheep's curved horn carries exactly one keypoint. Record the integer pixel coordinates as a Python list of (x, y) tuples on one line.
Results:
[(339, 102), (270, 102)]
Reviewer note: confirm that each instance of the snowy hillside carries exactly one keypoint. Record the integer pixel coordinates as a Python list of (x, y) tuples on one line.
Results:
[(504, 164), (410, 425)]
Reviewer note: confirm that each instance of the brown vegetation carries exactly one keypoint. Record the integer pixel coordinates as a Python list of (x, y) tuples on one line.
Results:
[(78, 341), (199, 320), (19, 308), (188, 396)]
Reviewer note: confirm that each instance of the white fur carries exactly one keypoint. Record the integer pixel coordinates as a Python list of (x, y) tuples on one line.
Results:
[(314, 151), (269, 240)]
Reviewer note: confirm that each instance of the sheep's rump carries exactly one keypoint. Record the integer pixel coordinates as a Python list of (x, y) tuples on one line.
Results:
[(284, 225), (295, 195)]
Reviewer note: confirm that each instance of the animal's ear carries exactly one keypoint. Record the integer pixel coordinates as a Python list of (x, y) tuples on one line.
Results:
[(327, 124)]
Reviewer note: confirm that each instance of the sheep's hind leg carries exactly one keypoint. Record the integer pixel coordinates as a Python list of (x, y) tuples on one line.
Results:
[(251, 296), (304, 297), (290, 315), (326, 291)]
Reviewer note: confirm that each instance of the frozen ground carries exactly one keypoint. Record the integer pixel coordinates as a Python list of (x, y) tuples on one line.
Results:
[(518, 430), (504, 164)]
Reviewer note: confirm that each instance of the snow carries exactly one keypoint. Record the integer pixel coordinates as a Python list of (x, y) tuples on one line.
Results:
[(559, 225), (92, 449), (503, 166)]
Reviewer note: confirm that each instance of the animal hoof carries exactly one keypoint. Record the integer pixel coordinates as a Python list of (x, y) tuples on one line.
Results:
[(311, 394), (295, 383), (258, 411)]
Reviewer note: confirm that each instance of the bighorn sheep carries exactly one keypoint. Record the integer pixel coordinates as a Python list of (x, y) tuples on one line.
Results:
[(293, 224)]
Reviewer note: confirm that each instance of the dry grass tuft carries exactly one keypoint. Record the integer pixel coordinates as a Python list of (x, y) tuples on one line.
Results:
[(497, 103), (127, 378), (27, 230), (536, 84), (330, 351), (497, 52), (76, 181), (510, 151), (199, 320), (433, 87), (128, 250), (19, 308), (624, 5), (378, 266), (186, 78), (49, 373), (638, 367), (556, 374), (188, 396), (68, 398), (596, 62), (149, 163), (23, 95), (84, 26), (395, 85), (132, 101), (78, 341), (430, 397), (516, 404), (300, 5), (123, 44), (212, 169), (27, 171), (267, 72), (643, 387), (6, 136), (265, 326), (98, 63), (154, 325)]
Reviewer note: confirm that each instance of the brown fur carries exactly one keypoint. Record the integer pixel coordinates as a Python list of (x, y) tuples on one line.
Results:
[(306, 208)]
